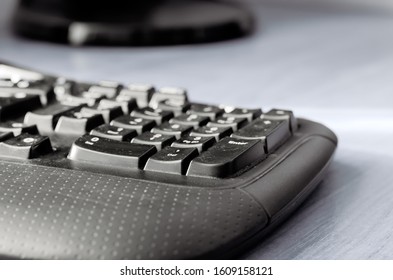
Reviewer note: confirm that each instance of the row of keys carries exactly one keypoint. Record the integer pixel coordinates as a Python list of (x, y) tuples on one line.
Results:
[(223, 159), (196, 114), (192, 152), (150, 151)]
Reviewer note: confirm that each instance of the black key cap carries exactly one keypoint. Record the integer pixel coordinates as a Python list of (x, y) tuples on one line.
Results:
[(201, 143), (168, 93), (139, 92), (139, 124), (97, 96), (234, 123), (25, 146), (110, 84), (282, 115), (158, 140), (216, 132), (249, 114), (43, 91), (193, 120), (78, 123), (5, 136), (108, 114), (177, 107), (156, 115), (17, 104), (171, 160), (272, 133), (105, 89), (18, 127), (46, 118), (206, 111), (64, 87), (77, 101), (114, 133), (126, 106), (101, 151), (227, 157), (174, 129)]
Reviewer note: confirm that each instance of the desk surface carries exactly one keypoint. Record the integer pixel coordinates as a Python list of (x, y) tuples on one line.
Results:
[(327, 65)]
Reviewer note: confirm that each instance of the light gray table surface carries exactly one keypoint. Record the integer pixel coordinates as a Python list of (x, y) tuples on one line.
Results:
[(331, 65)]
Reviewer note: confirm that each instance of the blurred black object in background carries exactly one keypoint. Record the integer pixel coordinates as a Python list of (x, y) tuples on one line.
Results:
[(132, 22)]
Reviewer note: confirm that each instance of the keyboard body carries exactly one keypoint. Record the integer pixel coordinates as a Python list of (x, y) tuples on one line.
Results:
[(115, 176)]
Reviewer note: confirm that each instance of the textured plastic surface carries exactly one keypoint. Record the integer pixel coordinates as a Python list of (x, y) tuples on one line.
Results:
[(55, 213)]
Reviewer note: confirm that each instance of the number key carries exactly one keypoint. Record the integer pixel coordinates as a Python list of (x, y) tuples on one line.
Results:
[(158, 115), (174, 129), (25, 146), (114, 133), (158, 140), (206, 111), (139, 124), (190, 119)]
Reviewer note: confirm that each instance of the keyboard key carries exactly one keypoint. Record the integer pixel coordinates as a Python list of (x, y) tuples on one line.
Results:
[(95, 150), (46, 118), (200, 143), (18, 127), (6, 83), (78, 123), (234, 123), (272, 133), (138, 124), (5, 136), (97, 96), (114, 133), (78, 101), (139, 92), (174, 94), (174, 129), (43, 91), (193, 120), (227, 157), (206, 111), (25, 146), (16, 74), (64, 87), (110, 84), (282, 115), (249, 114), (171, 160), (156, 115), (158, 140), (104, 90), (177, 107), (216, 132), (108, 114), (126, 106), (17, 104)]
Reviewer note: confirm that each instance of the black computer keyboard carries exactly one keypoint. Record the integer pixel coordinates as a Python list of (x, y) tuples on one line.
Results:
[(110, 171)]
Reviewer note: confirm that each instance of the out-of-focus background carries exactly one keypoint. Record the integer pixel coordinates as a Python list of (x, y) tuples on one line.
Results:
[(327, 60)]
